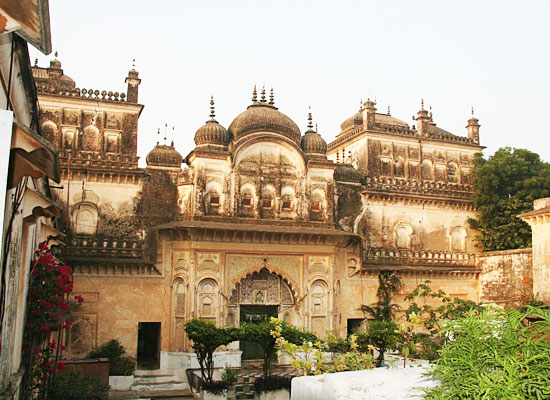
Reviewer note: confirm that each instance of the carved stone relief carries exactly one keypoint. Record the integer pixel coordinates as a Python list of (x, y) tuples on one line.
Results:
[(318, 264), (262, 287), (239, 265)]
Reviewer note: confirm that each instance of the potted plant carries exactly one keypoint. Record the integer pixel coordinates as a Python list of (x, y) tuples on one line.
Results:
[(121, 367), (206, 339)]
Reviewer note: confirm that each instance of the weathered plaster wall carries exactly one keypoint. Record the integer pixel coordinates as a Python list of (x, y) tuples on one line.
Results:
[(506, 276), (112, 309), (356, 291), (424, 227), (541, 260)]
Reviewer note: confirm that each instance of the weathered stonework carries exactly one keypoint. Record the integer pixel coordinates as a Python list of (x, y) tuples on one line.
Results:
[(506, 277), (262, 220)]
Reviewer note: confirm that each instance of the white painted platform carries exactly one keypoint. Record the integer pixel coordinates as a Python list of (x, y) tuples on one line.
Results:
[(376, 384)]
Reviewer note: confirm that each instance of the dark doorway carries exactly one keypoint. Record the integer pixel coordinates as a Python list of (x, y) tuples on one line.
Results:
[(148, 348), (255, 314), (356, 325)]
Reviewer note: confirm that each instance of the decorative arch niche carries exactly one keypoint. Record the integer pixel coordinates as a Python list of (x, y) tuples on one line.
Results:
[(262, 288)]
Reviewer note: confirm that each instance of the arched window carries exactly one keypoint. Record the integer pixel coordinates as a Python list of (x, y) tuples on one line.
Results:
[(458, 239), (403, 234), (207, 298), (318, 298), (90, 138), (452, 172)]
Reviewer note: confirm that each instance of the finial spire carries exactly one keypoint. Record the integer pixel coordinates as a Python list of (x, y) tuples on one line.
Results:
[(254, 95), (165, 126), (55, 54), (133, 63), (36, 62), (271, 97), (422, 103), (172, 144), (309, 120), (472, 111), (262, 100), (158, 136), (316, 127), (389, 110), (212, 108)]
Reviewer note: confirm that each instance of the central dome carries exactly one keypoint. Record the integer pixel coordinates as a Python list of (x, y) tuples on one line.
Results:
[(261, 116)]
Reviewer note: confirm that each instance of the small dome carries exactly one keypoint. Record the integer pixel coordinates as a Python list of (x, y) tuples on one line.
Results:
[(212, 132), (164, 156), (312, 143), (262, 116), (346, 173), (353, 121)]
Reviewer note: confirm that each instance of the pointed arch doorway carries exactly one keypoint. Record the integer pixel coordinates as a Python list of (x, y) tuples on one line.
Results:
[(258, 297)]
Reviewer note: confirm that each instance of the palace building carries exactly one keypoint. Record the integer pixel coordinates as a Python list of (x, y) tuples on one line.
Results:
[(258, 219)]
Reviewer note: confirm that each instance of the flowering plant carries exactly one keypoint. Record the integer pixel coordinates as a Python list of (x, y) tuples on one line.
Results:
[(310, 358), (47, 305)]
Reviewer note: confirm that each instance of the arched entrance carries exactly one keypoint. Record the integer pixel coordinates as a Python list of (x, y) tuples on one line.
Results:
[(257, 297)]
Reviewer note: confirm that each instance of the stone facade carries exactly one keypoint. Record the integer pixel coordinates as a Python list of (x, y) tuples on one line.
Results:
[(263, 220), (506, 277), (539, 219)]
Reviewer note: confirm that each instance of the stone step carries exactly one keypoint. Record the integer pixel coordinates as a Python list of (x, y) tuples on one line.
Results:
[(146, 379), (153, 387)]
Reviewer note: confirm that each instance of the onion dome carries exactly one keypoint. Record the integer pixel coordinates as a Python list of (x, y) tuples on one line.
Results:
[(164, 156), (261, 117), (212, 133), (346, 173), (312, 143)]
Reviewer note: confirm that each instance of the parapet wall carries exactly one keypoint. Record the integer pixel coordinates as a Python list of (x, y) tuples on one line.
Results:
[(506, 276)]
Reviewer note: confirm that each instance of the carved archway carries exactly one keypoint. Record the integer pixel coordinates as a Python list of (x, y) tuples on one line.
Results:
[(262, 287)]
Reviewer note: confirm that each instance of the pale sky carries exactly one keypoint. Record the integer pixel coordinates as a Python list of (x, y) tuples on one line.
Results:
[(493, 55)]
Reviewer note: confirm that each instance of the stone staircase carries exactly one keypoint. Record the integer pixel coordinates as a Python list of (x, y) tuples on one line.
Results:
[(157, 380), (249, 371)]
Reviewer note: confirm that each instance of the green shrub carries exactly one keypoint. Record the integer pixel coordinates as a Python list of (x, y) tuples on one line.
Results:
[(495, 354), (114, 351), (74, 386), (383, 336)]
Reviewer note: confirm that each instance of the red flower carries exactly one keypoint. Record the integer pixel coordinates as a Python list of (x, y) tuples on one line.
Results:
[(64, 306), (67, 324), (79, 298), (61, 366), (45, 327)]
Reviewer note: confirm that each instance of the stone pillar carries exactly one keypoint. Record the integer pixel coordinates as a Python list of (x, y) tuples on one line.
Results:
[(539, 219)]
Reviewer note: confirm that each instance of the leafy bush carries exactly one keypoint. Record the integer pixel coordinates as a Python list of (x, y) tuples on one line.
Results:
[(382, 335), (215, 387), (271, 383), (495, 354), (75, 386), (114, 351)]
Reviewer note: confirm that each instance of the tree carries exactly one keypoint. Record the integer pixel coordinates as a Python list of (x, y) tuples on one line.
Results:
[(206, 339), (506, 185), (261, 334)]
